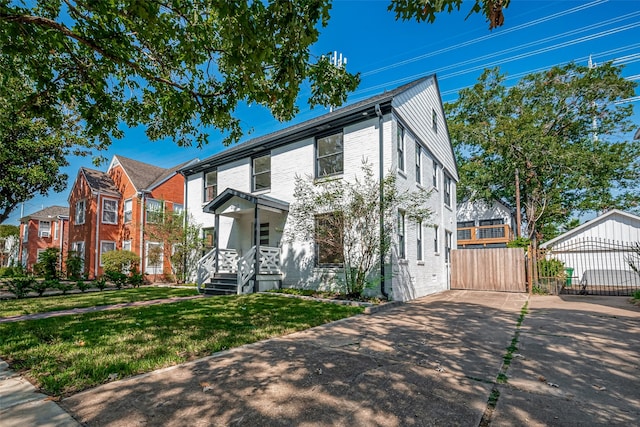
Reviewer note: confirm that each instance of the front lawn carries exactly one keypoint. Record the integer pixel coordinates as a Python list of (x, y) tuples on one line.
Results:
[(15, 307), (64, 355)]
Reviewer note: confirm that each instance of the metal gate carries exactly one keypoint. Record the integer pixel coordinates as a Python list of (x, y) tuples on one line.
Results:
[(588, 267)]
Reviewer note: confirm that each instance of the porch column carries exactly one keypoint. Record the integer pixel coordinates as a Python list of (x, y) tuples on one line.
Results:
[(216, 226), (256, 238)]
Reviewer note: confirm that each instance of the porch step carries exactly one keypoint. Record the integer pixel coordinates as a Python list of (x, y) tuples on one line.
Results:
[(222, 284)]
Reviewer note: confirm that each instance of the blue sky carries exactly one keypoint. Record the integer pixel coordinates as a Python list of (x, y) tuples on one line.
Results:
[(537, 35)]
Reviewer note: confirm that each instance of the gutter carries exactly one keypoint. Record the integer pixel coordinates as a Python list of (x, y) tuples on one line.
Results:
[(383, 291)]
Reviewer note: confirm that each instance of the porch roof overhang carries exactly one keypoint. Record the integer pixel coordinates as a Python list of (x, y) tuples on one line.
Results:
[(261, 201)]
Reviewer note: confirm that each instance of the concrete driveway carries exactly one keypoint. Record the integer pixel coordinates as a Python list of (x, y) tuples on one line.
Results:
[(431, 362)]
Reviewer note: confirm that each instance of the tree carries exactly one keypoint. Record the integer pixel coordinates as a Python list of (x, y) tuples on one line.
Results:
[(343, 218), (175, 67), (32, 149), (426, 10), (541, 131), (9, 246), (180, 242)]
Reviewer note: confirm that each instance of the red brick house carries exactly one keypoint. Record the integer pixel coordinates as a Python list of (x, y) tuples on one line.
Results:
[(46, 228), (112, 210)]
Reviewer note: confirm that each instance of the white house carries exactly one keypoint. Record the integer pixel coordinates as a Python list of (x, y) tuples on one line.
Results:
[(598, 253), (483, 224), (241, 196)]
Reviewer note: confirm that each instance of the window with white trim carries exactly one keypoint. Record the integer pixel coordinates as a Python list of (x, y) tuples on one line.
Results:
[(128, 210), (436, 243), (154, 211), (154, 258), (56, 230), (178, 209), (329, 155), (210, 185), (402, 251), (447, 249), (435, 174), (25, 228), (126, 245), (419, 240), (39, 252), (109, 211), (418, 164), (106, 246), (80, 211), (400, 138), (44, 229), (329, 240), (261, 173), (447, 190), (78, 249)]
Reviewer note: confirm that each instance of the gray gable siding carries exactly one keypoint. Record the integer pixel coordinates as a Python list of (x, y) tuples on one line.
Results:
[(413, 106)]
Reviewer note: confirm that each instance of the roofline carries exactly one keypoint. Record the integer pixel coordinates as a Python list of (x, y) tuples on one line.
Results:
[(455, 163), (331, 121), (589, 223), (171, 175), (124, 170), (230, 193)]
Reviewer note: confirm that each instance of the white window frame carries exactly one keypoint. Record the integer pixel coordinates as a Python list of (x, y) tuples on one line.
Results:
[(102, 251), (436, 240), (447, 246), (128, 210), (81, 211), (320, 173), (447, 190), (434, 177), (400, 133), (25, 235), (151, 269), (210, 189), (419, 242), (256, 174), (38, 252), (148, 205), (79, 252), (114, 212), (56, 230), (41, 231), (178, 208), (402, 235), (126, 245), (418, 163)]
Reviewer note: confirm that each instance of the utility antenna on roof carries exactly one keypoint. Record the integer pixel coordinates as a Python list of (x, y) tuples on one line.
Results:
[(337, 61)]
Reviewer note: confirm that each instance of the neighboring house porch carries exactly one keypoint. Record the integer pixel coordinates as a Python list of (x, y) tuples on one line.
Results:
[(250, 258)]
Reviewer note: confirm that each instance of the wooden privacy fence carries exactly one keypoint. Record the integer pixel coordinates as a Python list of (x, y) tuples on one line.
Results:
[(491, 269)]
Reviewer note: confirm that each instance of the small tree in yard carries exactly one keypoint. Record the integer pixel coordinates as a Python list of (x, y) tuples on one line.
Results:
[(180, 243), (117, 264), (47, 264), (343, 217)]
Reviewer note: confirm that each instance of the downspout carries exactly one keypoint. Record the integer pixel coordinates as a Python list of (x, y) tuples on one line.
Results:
[(96, 256), (184, 229), (383, 291), (61, 236)]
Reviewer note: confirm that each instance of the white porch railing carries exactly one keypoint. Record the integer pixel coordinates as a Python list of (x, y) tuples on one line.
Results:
[(229, 261), (246, 269), (205, 267), (269, 260)]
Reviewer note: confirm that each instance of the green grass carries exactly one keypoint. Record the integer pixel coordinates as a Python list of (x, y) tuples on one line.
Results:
[(17, 307), (64, 355)]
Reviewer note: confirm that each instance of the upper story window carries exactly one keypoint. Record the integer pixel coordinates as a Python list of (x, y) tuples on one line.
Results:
[(436, 243), (261, 173), (434, 120), (80, 211), (109, 211), (44, 229), (435, 174), (178, 209), (56, 231), (447, 190), (154, 211), (210, 185), (25, 236), (400, 135), (329, 155), (128, 210), (418, 164)]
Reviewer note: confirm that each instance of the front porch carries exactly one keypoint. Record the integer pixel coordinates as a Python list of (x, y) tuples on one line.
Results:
[(246, 254)]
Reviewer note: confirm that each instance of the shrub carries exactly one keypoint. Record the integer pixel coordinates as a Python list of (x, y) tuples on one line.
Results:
[(82, 285), (101, 283), (117, 278), (20, 286), (120, 261), (9, 271), (40, 286), (64, 287), (47, 264), (74, 266), (135, 279)]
